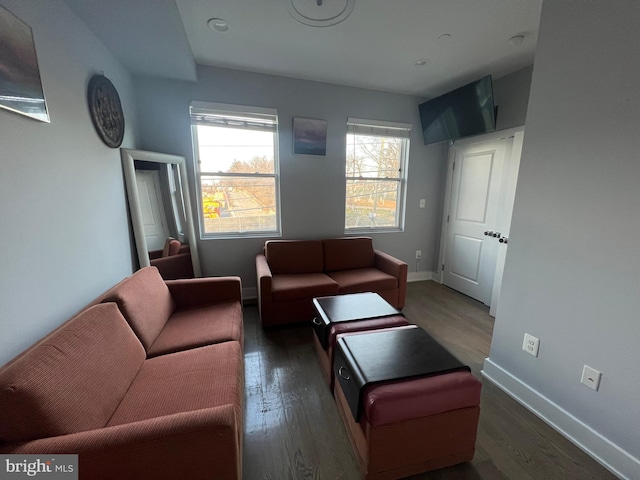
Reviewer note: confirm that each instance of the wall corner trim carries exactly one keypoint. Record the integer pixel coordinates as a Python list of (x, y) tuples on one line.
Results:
[(603, 450)]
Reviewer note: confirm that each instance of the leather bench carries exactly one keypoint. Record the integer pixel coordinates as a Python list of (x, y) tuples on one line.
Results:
[(408, 425)]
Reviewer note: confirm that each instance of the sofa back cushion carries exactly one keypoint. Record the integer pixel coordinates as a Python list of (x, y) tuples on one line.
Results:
[(348, 253), (294, 256), (145, 302), (72, 380)]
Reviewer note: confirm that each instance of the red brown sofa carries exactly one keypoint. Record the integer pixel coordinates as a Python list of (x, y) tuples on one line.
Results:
[(164, 402), (173, 261), (290, 273)]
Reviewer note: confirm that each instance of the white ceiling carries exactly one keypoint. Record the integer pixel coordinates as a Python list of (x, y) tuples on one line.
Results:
[(376, 47)]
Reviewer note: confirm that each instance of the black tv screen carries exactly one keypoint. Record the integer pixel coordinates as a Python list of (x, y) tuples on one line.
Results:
[(459, 113)]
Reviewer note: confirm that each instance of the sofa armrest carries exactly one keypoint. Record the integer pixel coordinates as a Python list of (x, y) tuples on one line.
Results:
[(396, 268), (264, 277), (390, 265), (183, 445), (174, 267), (194, 292)]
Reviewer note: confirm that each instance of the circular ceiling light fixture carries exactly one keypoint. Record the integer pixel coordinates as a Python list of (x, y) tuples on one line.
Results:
[(422, 62), (218, 24), (444, 37), (320, 13)]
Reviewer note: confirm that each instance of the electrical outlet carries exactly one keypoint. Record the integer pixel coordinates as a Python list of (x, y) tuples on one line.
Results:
[(418, 254), (531, 344), (423, 202), (591, 377)]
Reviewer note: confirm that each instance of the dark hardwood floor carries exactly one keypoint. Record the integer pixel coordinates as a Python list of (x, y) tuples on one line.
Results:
[(293, 429)]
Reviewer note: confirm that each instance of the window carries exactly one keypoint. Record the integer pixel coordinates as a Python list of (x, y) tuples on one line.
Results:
[(377, 155), (237, 169)]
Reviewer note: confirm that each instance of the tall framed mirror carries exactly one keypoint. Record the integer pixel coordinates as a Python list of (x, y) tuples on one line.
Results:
[(161, 213)]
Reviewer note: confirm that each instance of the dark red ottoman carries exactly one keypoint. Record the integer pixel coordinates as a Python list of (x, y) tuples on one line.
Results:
[(353, 312), (410, 425), (326, 356)]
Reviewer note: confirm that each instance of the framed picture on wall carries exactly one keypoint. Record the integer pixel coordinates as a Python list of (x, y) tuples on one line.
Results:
[(20, 85), (309, 136)]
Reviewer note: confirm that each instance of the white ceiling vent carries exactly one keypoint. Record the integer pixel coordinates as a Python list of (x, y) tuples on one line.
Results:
[(320, 13)]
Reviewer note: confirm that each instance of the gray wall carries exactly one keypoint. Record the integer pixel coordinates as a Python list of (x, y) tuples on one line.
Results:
[(572, 275), (312, 188), (62, 203)]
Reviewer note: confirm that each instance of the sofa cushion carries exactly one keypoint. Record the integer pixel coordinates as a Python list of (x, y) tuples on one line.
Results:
[(348, 253), (364, 280), (185, 381), (72, 380), (302, 286), (198, 326), (294, 256), (402, 400), (145, 302)]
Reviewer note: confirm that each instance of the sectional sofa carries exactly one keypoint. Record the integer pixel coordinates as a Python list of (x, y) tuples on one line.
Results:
[(290, 273), (147, 382)]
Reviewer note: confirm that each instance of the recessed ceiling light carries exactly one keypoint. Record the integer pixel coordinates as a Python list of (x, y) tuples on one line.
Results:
[(445, 36), (422, 62), (218, 24)]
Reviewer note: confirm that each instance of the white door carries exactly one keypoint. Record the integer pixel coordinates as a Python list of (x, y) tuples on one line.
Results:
[(152, 209), (470, 255)]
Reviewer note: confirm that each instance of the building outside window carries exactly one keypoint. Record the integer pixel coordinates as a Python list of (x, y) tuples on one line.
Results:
[(377, 157), (236, 157)]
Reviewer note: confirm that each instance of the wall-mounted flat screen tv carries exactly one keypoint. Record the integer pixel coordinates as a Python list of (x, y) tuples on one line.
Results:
[(462, 112)]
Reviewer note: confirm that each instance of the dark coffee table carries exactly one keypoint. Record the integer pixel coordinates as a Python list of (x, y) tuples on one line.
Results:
[(348, 308)]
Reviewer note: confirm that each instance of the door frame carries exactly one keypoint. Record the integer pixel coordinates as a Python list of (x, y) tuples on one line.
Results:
[(465, 142)]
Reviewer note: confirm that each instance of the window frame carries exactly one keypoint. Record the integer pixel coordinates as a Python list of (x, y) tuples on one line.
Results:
[(229, 110), (378, 128)]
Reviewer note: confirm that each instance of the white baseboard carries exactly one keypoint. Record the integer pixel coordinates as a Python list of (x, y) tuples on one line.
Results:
[(605, 452), (419, 276), (250, 293)]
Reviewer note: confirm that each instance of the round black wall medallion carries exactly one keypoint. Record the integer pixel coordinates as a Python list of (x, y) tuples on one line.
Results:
[(106, 110)]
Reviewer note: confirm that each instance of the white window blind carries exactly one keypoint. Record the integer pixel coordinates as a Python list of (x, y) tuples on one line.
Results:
[(261, 119), (377, 128)]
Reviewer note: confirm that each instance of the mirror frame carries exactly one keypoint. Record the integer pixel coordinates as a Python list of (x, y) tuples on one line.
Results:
[(129, 156)]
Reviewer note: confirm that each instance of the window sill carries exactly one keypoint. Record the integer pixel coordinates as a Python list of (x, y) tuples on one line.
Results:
[(238, 235), (360, 231)]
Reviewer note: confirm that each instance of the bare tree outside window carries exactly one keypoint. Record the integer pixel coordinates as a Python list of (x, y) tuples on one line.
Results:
[(374, 181), (237, 172)]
